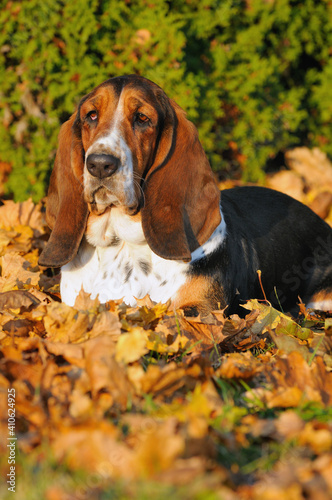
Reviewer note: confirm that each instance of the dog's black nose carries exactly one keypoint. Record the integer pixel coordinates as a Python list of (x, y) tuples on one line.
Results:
[(102, 165)]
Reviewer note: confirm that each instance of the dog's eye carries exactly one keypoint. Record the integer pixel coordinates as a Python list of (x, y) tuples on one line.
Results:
[(141, 119), (92, 116)]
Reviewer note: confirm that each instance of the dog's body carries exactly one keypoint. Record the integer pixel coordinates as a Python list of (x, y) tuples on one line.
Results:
[(135, 210)]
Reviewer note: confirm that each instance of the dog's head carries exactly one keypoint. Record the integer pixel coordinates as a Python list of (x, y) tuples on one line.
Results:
[(129, 145)]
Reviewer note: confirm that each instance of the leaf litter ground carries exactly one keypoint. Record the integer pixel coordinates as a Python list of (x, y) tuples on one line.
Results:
[(118, 402)]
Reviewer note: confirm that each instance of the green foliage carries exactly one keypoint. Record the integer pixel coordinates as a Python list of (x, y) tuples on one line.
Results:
[(254, 76)]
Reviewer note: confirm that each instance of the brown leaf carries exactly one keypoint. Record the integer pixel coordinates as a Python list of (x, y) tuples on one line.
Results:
[(25, 214), (163, 381), (6, 238), (18, 327), (294, 381), (106, 323), (239, 366), (81, 405), (84, 302), (148, 314), (73, 353), (64, 324), (95, 448), (15, 369), (322, 204), (287, 182), (30, 412), (288, 344), (211, 334), (317, 436), (17, 299), (289, 424), (152, 459), (104, 371), (16, 272), (312, 165)]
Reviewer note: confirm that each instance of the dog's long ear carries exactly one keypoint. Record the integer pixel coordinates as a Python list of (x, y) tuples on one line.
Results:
[(66, 210), (181, 208)]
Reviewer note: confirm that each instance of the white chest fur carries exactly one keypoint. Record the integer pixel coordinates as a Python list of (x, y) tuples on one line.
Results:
[(115, 262)]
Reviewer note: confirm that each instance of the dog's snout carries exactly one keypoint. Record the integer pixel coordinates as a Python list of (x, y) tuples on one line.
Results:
[(102, 165)]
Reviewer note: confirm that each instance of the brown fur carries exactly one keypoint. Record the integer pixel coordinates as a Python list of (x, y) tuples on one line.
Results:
[(181, 198), (66, 210), (197, 296), (322, 296)]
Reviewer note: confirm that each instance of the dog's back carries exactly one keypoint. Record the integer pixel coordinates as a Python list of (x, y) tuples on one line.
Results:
[(285, 240)]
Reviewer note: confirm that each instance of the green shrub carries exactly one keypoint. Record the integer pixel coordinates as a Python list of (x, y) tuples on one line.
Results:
[(253, 75)]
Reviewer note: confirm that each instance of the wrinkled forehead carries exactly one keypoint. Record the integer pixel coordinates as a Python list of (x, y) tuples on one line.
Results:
[(134, 92)]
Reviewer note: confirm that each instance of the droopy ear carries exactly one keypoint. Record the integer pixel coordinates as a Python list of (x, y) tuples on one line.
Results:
[(66, 210), (181, 207)]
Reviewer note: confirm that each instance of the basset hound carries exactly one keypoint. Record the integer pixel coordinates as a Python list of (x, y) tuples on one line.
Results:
[(134, 209)]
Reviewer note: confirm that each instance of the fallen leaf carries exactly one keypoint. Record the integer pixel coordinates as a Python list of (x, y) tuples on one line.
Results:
[(152, 459), (64, 324), (292, 380), (288, 344), (95, 448), (18, 327), (106, 323), (164, 380), (289, 424), (317, 436), (131, 346), (84, 302), (239, 366), (17, 299), (16, 271), (105, 373), (25, 214)]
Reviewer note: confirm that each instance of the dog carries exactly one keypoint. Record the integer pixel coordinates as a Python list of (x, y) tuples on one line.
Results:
[(134, 209)]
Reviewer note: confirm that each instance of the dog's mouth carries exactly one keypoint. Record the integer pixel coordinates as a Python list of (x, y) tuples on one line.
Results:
[(99, 200), (97, 208), (102, 199)]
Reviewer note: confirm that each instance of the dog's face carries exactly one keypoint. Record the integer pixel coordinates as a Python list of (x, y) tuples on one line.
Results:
[(130, 146), (120, 128)]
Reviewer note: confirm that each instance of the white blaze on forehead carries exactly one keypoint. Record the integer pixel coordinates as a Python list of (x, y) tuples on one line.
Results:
[(110, 142), (114, 143)]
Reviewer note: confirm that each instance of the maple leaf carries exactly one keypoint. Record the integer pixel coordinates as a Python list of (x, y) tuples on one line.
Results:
[(84, 302), (169, 345), (16, 272), (165, 380), (152, 459), (96, 445), (64, 324), (268, 318), (292, 380), (17, 299), (131, 346), (25, 214), (105, 323), (104, 371), (239, 366)]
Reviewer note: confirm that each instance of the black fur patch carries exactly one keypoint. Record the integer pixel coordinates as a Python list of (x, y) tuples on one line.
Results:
[(115, 241), (128, 270), (145, 267)]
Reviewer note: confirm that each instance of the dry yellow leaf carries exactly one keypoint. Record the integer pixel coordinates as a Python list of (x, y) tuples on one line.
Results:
[(131, 346)]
